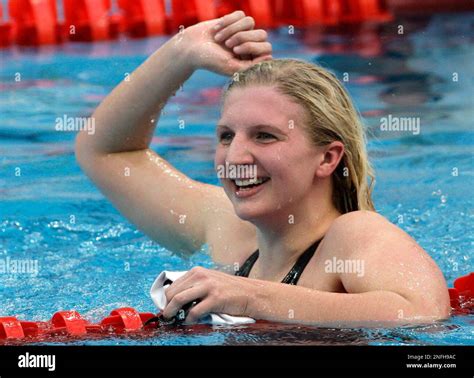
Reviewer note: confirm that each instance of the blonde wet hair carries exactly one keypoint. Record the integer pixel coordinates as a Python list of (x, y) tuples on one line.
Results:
[(331, 117)]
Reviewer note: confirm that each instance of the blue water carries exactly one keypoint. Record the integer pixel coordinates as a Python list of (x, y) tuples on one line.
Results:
[(92, 260)]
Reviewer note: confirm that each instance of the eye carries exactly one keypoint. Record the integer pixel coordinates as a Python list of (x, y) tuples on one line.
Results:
[(265, 136), (225, 137)]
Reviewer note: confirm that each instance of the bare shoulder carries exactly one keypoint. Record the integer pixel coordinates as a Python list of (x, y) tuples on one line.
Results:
[(362, 227), (355, 220), (391, 259), (359, 228), (363, 234)]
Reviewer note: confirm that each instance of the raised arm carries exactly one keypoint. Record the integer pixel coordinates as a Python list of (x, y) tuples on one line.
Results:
[(171, 208)]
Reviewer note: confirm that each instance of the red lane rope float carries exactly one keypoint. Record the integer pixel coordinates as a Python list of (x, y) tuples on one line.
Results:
[(330, 12), (5, 30), (128, 320), (143, 17), (462, 295), (375, 10), (304, 12), (34, 22), (87, 20), (260, 10), (185, 13), (70, 323), (10, 328)]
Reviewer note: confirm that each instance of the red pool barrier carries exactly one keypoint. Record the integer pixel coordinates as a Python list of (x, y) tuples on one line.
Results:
[(462, 295), (71, 324), (308, 12), (365, 11), (330, 12), (10, 328), (5, 30), (186, 13), (416, 7), (260, 10), (34, 22), (87, 20), (127, 319), (190, 12), (143, 17)]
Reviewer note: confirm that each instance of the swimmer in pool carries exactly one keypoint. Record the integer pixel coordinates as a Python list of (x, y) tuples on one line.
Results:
[(298, 225)]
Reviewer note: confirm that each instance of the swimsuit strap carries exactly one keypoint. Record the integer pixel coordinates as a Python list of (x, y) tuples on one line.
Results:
[(244, 270), (294, 274)]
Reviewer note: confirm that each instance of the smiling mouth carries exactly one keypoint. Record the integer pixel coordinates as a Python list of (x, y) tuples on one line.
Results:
[(242, 185)]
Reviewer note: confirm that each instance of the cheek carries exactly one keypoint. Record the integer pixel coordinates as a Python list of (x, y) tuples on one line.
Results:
[(219, 157), (294, 170)]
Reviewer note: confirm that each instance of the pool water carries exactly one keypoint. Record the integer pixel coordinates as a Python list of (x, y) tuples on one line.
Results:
[(92, 260)]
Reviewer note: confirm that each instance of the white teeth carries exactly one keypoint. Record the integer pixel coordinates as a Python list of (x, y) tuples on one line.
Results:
[(246, 182)]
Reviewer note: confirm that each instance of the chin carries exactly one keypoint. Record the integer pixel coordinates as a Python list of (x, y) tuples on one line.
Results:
[(250, 212), (245, 213)]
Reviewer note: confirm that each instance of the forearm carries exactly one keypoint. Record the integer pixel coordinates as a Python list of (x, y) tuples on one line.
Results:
[(126, 119), (287, 303)]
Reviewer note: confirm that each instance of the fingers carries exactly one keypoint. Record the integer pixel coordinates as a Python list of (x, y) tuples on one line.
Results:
[(198, 311), (186, 281), (246, 36), (246, 23), (178, 284), (229, 19), (182, 298), (242, 64), (254, 48), (236, 30), (262, 58)]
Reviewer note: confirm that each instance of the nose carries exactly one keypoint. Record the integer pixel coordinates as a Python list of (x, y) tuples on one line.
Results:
[(238, 152)]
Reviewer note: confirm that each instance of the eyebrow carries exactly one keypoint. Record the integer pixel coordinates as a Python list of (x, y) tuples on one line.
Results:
[(257, 127)]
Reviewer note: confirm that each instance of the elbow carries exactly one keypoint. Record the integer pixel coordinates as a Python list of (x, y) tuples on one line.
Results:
[(80, 148), (441, 308), (84, 152), (434, 307)]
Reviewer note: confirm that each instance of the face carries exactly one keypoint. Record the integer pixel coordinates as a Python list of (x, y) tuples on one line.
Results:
[(262, 128)]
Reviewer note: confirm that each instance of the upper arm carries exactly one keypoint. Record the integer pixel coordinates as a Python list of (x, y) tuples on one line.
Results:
[(164, 203), (392, 261)]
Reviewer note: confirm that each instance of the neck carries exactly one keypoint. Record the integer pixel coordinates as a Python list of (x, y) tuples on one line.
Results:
[(282, 239)]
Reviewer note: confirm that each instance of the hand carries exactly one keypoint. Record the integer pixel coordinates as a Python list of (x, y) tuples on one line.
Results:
[(218, 292), (225, 45)]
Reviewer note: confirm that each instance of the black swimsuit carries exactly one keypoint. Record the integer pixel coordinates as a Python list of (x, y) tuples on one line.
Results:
[(293, 275), (291, 278)]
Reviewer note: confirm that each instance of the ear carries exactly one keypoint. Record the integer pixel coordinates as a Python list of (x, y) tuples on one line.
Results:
[(331, 156)]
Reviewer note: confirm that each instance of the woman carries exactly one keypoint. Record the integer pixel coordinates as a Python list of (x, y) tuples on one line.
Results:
[(308, 211)]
